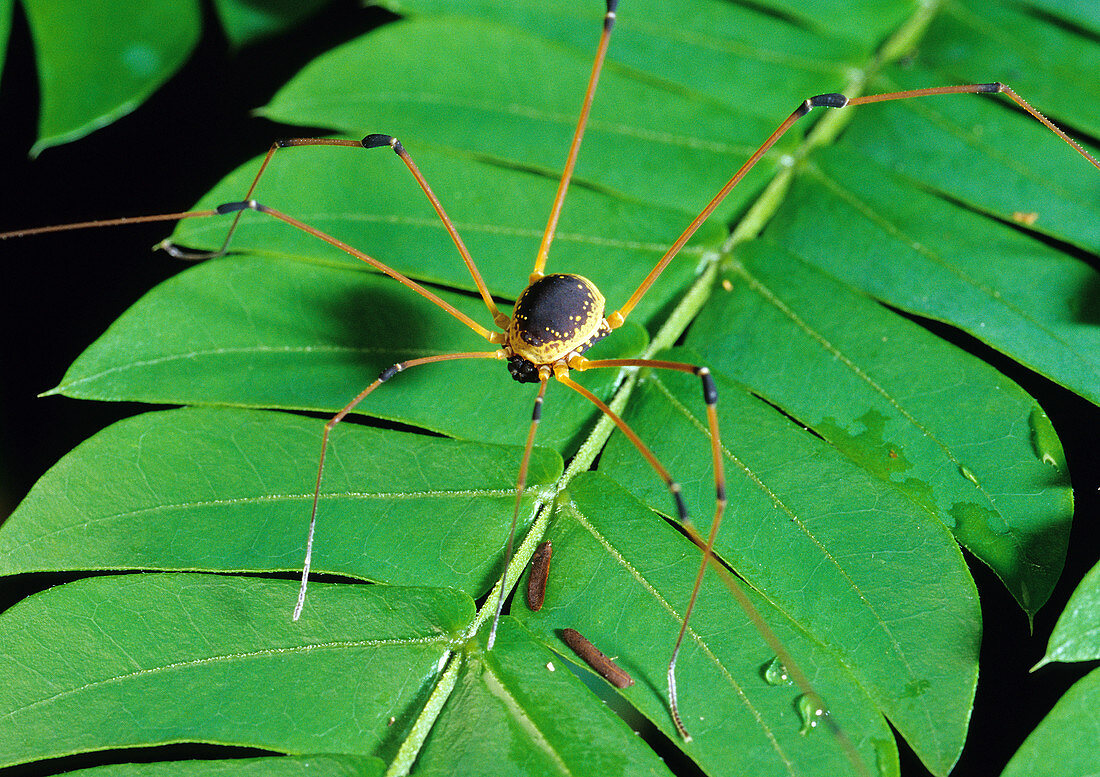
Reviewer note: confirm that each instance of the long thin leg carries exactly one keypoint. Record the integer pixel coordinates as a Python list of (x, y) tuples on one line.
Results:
[(232, 207), (388, 373), (237, 207), (195, 256), (190, 214), (993, 88), (826, 101), (377, 141), (370, 141), (710, 398), (521, 484), (575, 146)]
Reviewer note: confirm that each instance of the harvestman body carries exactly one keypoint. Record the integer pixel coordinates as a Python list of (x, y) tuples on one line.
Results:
[(554, 322)]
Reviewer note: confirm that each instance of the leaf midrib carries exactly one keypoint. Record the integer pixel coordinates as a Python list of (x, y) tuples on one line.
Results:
[(228, 657), (758, 214)]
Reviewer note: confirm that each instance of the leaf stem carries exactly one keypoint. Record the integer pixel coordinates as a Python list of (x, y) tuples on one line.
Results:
[(410, 748), (520, 559), (760, 212)]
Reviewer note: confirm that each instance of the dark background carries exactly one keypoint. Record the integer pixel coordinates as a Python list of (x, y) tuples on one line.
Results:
[(59, 293)]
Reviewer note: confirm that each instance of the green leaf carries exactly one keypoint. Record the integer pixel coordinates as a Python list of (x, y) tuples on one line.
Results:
[(1067, 741), (740, 46), (310, 337), (220, 490), (1069, 735), (932, 258), (286, 766), (102, 64), (520, 694), (248, 20), (6, 7), (367, 198), (1007, 39), (524, 117), (1021, 180), (98, 62), (1005, 494), (816, 551), (1085, 15), (1076, 636), (154, 659), (843, 548), (622, 579), (866, 21)]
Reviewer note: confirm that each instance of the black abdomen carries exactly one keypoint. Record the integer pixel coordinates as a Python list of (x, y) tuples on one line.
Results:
[(555, 316)]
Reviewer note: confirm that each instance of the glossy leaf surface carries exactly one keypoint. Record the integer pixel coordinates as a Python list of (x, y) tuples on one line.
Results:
[(678, 140), (852, 438), (103, 62), (910, 627), (929, 257), (786, 332), (368, 199), (1076, 636), (222, 644), (309, 337), (618, 577), (517, 710), (230, 490), (1065, 742)]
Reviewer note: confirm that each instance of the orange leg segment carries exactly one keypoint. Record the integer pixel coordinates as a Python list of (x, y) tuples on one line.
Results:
[(388, 373), (710, 398), (521, 484), (832, 100)]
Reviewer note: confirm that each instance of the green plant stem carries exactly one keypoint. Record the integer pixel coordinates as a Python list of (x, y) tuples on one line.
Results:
[(403, 762), (756, 217), (754, 220)]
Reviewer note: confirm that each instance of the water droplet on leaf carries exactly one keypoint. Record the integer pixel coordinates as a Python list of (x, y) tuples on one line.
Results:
[(1044, 440), (776, 674), (812, 710)]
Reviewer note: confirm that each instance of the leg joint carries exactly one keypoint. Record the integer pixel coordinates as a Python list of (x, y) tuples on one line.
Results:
[(681, 506), (389, 372), (831, 100), (609, 17), (234, 207), (378, 141), (710, 391)]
